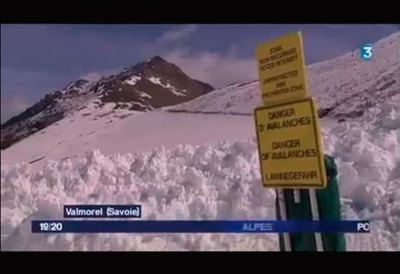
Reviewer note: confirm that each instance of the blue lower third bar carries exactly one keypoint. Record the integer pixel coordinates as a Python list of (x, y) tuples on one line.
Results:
[(62, 226)]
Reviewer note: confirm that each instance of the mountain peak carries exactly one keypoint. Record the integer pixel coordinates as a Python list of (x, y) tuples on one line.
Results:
[(77, 84), (154, 62), (157, 59)]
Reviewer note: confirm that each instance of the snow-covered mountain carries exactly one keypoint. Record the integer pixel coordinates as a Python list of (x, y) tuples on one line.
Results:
[(48, 110), (149, 85), (145, 86)]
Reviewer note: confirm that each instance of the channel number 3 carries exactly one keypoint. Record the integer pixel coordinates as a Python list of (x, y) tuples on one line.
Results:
[(366, 51)]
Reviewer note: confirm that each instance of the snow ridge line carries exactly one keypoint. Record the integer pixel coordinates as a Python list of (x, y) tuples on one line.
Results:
[(208, 112)]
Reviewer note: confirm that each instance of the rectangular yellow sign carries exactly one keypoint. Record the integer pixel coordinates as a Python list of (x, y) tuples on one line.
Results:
[(281, 69), (289, 145)]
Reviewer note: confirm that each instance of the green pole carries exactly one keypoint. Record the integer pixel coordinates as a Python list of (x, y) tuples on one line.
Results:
[(299, 208), (330, 208)]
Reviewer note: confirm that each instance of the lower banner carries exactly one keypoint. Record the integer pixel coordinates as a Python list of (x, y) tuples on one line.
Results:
[(259, 226)]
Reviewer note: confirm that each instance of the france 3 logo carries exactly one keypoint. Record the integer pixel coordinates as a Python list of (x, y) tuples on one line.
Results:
[(366, 52)]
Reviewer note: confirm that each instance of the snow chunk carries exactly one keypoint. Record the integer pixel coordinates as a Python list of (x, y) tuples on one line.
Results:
[(143, 94), (132, 80), (174, 90)]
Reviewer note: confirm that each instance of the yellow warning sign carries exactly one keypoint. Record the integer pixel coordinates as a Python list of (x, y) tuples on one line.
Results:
[(289, 145), (281, 69)]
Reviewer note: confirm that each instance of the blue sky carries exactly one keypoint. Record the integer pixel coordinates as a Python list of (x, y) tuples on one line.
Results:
[(37, 59)]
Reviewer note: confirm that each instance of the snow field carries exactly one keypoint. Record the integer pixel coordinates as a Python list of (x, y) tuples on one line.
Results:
[(219, 181)]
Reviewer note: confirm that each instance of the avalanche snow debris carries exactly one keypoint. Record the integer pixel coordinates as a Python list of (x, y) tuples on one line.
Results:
[(199, 192)]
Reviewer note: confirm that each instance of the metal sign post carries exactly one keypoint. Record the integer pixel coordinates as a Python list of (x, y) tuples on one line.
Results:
[(290, 148)]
